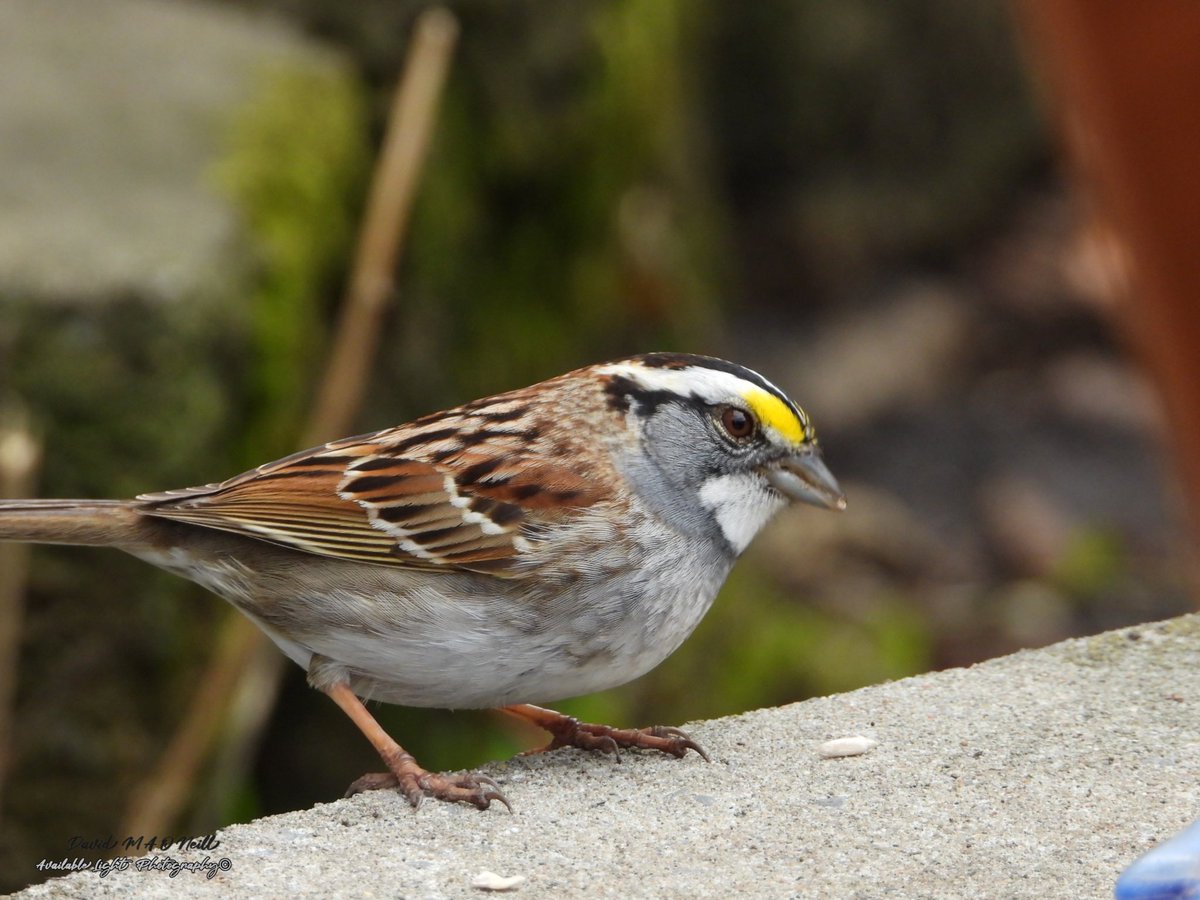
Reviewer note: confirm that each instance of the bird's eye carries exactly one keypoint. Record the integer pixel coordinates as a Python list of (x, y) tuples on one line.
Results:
[(738, 423)]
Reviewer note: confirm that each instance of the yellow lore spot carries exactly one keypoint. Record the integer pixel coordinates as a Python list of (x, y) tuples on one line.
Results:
[(776, 414)]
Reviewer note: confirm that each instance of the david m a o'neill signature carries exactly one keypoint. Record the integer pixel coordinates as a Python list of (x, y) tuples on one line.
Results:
[(143, 844)]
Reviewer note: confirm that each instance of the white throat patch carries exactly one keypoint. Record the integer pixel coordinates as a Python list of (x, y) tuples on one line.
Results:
[(742, 504)]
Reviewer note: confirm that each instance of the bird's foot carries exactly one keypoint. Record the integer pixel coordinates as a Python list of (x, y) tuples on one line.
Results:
[(416, 783), (607, 739), (566, 731)]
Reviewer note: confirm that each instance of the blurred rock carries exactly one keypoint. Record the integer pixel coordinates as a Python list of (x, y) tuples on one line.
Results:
[(907, 350), (1029, 529), (1053, 260), (877, 532), (112, 115), (1031, 613), (1104, 391), (1024, 267)]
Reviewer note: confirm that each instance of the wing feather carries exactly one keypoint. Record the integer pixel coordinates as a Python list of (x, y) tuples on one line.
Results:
[(413, 497)]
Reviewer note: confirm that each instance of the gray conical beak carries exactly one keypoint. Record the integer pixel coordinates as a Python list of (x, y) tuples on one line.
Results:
[(804, 477)]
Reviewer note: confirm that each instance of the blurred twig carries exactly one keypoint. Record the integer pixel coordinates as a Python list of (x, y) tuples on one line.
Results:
[(157, 801), (228, 701), (389, 206), (20, 455)]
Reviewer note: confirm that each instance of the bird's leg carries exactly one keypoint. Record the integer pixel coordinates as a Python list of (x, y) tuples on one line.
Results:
[(568, 732), (403, 771)]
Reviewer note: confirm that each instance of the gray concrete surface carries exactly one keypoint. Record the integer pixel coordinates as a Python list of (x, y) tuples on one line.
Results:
[(1041, 774)]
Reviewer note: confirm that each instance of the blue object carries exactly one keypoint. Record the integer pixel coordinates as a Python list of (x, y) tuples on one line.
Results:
[(1171, 871)]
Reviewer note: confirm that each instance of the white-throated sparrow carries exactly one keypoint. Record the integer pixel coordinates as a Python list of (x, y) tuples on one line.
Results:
[(548, 542)]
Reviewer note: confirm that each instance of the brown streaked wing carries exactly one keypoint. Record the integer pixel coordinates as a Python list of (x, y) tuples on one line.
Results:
[(348, 449), (360, 502), (292, 502)]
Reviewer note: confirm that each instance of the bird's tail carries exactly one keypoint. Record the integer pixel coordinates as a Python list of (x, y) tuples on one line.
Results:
[(95, 522)]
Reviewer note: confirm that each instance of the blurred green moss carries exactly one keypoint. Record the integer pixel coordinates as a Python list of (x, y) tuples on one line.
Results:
[(1095, 561), (295, 164)]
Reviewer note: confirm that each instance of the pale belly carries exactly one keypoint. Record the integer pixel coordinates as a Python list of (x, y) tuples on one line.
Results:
[(464, 641)]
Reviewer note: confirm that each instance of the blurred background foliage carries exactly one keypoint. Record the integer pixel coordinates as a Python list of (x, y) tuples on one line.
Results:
[(859, 199), (295, 162)]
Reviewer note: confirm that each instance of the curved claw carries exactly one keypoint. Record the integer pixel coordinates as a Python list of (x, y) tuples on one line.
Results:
[(605, 743), (679, 739), (483, 798), (372, 781)]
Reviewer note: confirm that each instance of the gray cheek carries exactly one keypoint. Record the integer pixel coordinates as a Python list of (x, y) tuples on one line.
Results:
[(680, 453)]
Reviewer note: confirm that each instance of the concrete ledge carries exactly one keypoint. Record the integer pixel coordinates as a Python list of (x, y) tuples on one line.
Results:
[(1040, 774)]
